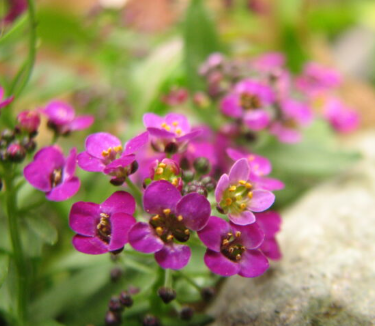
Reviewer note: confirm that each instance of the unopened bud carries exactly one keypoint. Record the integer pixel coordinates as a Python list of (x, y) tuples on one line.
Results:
[(28, 144), (7, 135), (133, 167), (187, 175), (16, 153), (28, 121), (202, 165), (186, 313), (208, 293), (126, 299), (112, 319), (150, 320), (166, 294), (115, 305), (117, 181), (116, 274)]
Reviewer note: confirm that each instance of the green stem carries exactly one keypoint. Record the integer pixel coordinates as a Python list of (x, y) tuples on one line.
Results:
[(191, 281), (18, 254), (135, 191), (168, 278)]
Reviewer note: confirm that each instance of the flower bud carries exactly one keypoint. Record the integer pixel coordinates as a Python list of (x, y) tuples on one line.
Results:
[(133, 167), (112, 319), (7, 135), (188, 175), (186, 313), (16, 152), (209, 183), (28, 144), (115, 305), (28, 121), (150, 320), (116, 274), (117, 181), (208, 293), (126, 299), (202, 165), (185, 164), (166, 294), (3, 155)]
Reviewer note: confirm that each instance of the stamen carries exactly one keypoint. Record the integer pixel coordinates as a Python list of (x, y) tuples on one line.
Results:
[(104, 215), (248, 185), (231, 249), (243, 206), (159, 171), (238, 256), (166, 211), (162, 165), (178, 131), (164, 124), (238, 234), (155, 218), (175, 182), (159, 230), (180, 218), (250, 194), (187, 232), (170, 237), (242, 182), (118, 148), (229, 234), (228, 201), (232, 188), (225, 242), (105, 153), (175, 123), (238, 197)]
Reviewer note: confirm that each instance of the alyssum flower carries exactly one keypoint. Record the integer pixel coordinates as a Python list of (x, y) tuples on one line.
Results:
[(173, 218), (237, 197), (102, 227), (233, 249), (53, 174)]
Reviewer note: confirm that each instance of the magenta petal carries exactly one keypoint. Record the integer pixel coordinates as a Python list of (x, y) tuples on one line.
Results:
[(230, 106), (136, 143), (181, 120), (39, 174), (262, 199), (142, 238), (270, 222), (83, 218), (242, 218), (51, 154), (219, 264), (99, 142), (64, 190), (258, 165), (195, 209), (239, 171), (7, 101), (119, 163), (89, 245), (70, 164), (59, 113), (269, 184), (81, 122), (160, 195), (119, 202), (173, 256), (90, 163), (253, 263), (222, 185), (252, 235), (160, 133), (121, 223), (211, 235), (257, 119), (189, 136), (152, 120), (271, 249)]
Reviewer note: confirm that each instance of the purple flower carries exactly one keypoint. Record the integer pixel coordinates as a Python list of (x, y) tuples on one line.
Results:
[(316, 78), (247, 101), (168, 170), (28, 121), (259, 168), (269, 62), (53, 174), (295, 115), (102, 227), (270, 222), (104, 153), (238, 197), (233, 249), (62, 119), (173, 218), (16, 8), (342, 118), (170, 134), (4, 101)]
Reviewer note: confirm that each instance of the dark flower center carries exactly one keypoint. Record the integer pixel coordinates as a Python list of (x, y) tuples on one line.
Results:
[(103, 228), (56, 177), (231, 246), (168, 227), (250, 101)]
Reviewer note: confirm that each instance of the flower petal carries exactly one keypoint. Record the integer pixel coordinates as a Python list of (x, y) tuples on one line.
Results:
[(119, 202), (58, 112), (121, 223), (271, 249), (136, 143), (99, 142), (252, 235), (81, 122), (160, 195), (212, 234), (90, 163), (119, 163), (38, 174), (242, 218), (219, 264), (182, 122), (253, 263), (262, 200), (83, 218), (239, 171), (143, 238), (222, 185), (230, 107), (64, 190), (152, 120), (270, 222), (160, 133), (70, 164), (173, 256), (89, 245), (257, 119), (52, 154), (195, 209)]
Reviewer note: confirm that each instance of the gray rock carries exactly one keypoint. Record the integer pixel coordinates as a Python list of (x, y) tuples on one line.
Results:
[(327, 274)]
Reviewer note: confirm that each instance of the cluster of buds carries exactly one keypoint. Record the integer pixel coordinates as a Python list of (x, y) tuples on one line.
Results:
[(116, 307), (17, 143)]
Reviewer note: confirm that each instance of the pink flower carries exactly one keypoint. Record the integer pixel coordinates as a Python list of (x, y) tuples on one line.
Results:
[(4, 101)]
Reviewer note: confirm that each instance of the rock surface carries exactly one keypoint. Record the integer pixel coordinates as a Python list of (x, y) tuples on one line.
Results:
[(327, 274)]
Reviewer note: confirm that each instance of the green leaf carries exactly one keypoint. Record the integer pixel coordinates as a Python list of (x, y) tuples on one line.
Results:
[(200, 40), (4, 268), (44, 229)]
